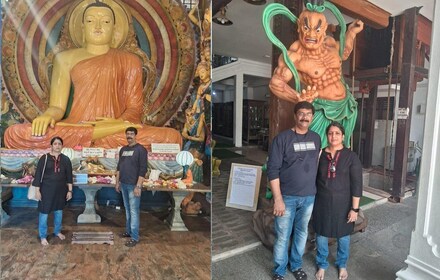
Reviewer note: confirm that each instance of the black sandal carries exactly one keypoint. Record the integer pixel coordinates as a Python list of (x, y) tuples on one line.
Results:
[(299, 274), (125, 235), (277, 277), (131, 243)]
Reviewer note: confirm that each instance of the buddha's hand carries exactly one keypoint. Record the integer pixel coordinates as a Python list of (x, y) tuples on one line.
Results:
[(101, 121), (116, 123), (309, 94), (108, 126), (40, 124)]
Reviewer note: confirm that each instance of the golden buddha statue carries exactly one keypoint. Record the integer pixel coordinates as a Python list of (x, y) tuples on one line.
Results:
[(108, 93)]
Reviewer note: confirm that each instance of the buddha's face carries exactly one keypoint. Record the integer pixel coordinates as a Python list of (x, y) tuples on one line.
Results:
[(98, 25), (311, 29)]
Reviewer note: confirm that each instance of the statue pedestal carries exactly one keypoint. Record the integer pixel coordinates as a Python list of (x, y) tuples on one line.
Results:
[(89, 215), (174, 220)]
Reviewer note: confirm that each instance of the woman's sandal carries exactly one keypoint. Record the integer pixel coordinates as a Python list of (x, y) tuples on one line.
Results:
[(299, 274), (319, 275), (343, 274)]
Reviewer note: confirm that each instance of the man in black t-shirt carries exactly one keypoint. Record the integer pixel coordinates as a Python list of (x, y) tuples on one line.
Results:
[(291, 170), (131, 170)]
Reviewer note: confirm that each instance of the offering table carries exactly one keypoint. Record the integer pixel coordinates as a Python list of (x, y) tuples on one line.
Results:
[(174, 220)]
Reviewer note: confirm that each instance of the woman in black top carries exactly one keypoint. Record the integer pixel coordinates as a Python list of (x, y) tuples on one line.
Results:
[(339, 188), (53, 180)]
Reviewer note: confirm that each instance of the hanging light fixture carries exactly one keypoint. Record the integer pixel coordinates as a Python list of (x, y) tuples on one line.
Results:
[(222, 19), (255, 2)]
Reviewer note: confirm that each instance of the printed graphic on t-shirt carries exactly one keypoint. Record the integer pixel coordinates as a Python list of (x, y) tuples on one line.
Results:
[(304, 146), (127, 153)]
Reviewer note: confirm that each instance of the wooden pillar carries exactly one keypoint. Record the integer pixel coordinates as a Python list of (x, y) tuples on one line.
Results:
[(407, 86), (369, 129), (281, 116)]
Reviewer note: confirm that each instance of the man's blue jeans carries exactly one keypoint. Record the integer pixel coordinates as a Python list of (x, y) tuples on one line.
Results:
[(297, 217), (341, 255), (42, 223), (131, 204)]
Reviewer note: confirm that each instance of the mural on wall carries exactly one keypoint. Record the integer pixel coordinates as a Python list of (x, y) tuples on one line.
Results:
[(196, 131), (162, 30)]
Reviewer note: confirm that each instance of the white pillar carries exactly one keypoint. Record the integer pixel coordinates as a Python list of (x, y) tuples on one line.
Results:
[(424, 255), (238, 110)]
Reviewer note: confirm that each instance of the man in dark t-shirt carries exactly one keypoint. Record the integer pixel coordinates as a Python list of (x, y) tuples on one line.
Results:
[(291, 170), (131, 170)]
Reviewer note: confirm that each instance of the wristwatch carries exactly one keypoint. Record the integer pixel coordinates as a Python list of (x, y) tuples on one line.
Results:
[(355, 209)]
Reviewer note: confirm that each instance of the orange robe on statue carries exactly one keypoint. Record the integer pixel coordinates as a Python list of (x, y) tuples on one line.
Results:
[(108, 85)]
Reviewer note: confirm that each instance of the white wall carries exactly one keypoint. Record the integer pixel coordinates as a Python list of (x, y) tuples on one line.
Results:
[(418, 119), (257, 93), (228, 95)]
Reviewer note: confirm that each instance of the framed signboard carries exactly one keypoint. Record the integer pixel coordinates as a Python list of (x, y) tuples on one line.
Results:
[(244, 186)]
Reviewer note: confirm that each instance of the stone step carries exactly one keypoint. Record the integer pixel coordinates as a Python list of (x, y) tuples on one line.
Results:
[(92, 238)]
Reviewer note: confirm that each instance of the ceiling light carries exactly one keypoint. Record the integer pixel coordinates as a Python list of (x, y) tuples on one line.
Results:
[(222, 19), (256, 2)]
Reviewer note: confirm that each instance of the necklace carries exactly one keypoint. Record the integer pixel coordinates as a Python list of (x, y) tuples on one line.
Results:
[(332, 164)]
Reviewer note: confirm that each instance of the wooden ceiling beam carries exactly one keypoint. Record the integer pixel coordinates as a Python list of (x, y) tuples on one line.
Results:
[(424, 29), (369, 13)]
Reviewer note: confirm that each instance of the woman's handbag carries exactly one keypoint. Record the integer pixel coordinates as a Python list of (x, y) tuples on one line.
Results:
[(31, 195)]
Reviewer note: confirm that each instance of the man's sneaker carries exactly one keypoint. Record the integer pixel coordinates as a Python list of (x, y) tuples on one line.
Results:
[(131, 243), (125, 235), (277, 277), (299, 274)]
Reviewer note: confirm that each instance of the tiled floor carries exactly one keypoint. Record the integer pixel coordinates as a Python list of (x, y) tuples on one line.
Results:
[(376, 254), (161, 254), (231, 227)]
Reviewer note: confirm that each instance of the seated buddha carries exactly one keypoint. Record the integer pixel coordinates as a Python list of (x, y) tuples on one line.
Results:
[(107, 98)]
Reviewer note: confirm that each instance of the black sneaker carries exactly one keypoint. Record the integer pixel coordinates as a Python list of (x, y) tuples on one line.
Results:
[(277, 277), (299, 274), (131, 243), (125, 235)]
